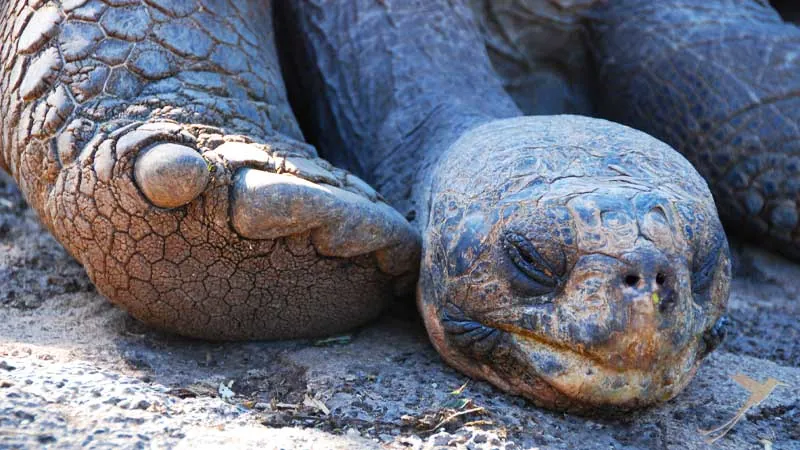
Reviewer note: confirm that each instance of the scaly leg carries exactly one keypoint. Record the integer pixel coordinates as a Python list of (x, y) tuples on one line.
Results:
[(155, 140)]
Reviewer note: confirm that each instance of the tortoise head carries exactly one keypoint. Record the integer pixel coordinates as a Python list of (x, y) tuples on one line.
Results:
[(575, 261)]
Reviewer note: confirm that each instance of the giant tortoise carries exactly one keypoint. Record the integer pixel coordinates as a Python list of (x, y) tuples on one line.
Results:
[(468, 157)]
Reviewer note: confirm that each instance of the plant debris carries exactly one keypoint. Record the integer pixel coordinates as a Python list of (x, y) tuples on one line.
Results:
[(335, 340), (316, 404)]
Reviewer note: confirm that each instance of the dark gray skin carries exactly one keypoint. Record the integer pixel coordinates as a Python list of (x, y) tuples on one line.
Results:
[(534, 275), (563, 260), (706, 92), (718, 82)]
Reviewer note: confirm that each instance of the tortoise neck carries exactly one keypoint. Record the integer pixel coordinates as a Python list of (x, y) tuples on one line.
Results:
[(388, 86)]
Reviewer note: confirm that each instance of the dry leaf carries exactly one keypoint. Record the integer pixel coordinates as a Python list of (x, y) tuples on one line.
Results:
[(316, 404), (460, 390)]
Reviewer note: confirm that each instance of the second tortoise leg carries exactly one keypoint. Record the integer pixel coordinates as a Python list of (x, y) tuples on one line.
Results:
[(720, 82)]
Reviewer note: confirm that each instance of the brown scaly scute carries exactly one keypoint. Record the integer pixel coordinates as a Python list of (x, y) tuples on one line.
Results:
[(155, 140), (574, 261)]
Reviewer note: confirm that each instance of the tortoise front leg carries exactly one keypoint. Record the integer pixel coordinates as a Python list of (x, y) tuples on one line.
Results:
[(719, 81), (155, 140)]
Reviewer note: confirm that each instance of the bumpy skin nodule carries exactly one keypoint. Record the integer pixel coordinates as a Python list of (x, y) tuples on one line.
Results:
[(155, 141), (562, 258), (719, 81)]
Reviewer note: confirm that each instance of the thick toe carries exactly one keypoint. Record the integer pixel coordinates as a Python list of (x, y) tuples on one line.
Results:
[(171, 175), (125, 124), (343, 223)]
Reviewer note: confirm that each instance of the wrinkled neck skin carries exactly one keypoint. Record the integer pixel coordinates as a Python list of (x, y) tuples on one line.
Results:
[(537, 49), (385, 105), (562, 258)]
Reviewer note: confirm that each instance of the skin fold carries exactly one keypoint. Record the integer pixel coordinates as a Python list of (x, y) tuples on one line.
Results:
[(562, 260)]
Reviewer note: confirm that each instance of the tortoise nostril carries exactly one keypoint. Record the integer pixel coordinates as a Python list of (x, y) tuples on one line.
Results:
[(660, 278), (632, 280)]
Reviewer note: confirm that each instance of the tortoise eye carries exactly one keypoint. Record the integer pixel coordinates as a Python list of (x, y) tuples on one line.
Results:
[(531, 272)]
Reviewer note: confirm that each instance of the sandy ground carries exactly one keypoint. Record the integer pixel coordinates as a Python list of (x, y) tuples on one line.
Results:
[(76, 371)]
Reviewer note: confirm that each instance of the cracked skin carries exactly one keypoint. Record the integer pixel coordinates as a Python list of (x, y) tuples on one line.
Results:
[(572, 260)]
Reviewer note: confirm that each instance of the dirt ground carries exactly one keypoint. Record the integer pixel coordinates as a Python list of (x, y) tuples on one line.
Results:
[(76, 371)]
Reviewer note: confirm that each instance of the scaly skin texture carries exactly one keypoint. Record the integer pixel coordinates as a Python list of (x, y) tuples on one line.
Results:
[(562, 259), (155, 141), (720, 82)]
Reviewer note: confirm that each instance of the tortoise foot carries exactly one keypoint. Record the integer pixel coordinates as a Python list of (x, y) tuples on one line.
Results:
[(155, 140), (218, 236)]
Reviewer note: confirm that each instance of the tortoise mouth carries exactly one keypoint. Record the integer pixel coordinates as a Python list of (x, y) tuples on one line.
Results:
[(626, 370), (586, 380)]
